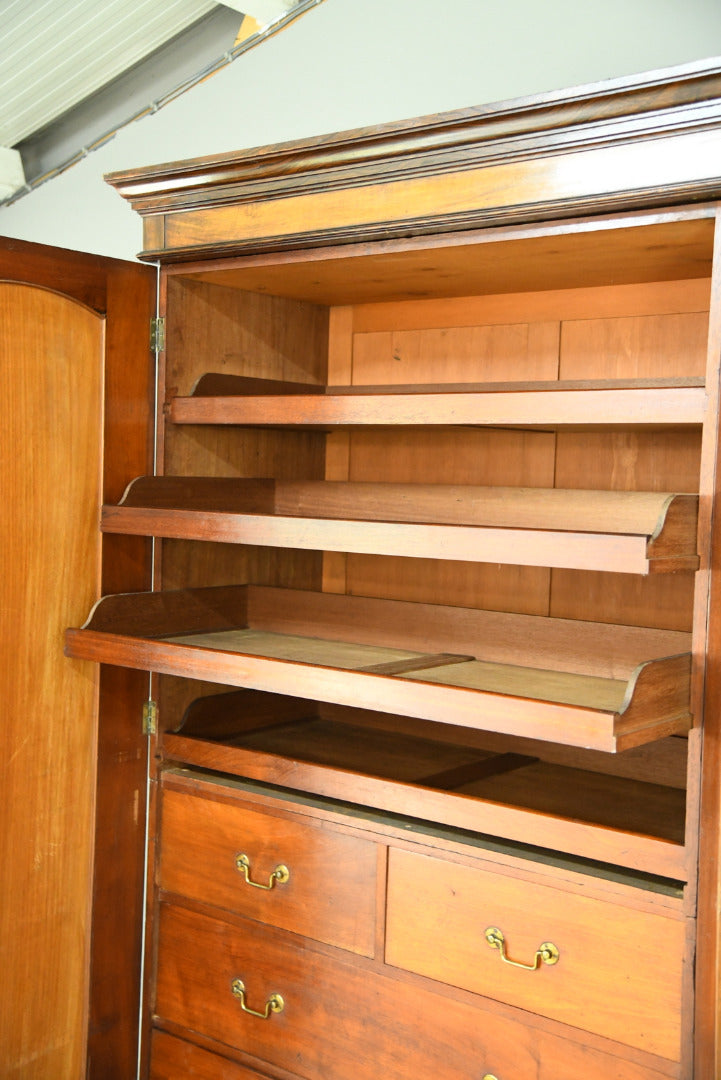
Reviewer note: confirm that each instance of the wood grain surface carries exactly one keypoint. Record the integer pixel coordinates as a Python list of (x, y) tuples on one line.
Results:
[(51, 376)]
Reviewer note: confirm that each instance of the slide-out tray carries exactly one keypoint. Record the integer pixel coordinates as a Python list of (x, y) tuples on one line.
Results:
[(236, 399), (557, 797), (584, 684), (632, 532)]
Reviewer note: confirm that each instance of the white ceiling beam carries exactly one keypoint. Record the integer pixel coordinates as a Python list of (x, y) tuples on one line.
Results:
[(12, 175), (57, 53)]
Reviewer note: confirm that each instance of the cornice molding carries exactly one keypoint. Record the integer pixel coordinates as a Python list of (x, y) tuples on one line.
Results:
[(656, 105), (648, 141)]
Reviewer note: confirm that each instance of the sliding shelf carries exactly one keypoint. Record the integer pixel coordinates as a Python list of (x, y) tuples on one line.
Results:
[(584, 684), (235, 399), (385, 762), (624, 531)]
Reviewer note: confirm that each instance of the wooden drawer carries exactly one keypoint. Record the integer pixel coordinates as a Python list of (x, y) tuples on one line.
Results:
[(618, 971), (330, 893), (175, 1059), (342, 1021)]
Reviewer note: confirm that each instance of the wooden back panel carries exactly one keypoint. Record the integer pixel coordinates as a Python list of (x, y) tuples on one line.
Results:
[(237, 332), (556, 336)]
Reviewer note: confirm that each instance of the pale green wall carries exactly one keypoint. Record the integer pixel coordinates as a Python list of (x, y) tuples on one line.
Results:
[(356, 62)]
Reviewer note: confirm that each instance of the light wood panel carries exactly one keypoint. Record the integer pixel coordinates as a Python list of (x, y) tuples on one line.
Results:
[(622, 461), (254, 336), (457, 354), (493, 266), (649, 346), (624, 598), (51, 352), (452, 456), (485, 353), (576, 793), (246, 333), (629, 460), (607, 975), (660, 345), (488, 307), (337, 444), (523, 405)]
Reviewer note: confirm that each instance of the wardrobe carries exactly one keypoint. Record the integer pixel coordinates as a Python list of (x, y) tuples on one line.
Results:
[(407, 603)]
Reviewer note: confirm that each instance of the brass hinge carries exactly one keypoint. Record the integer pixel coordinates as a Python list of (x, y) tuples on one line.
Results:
[(150, 718), (157, 334)]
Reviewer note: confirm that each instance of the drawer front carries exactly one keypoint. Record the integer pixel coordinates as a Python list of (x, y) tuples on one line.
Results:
[(617, 972), (340, 1020), (330, 891), (175, 1059)]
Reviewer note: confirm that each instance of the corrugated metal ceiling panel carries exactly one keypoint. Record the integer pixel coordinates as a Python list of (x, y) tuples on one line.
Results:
[(55, 53)]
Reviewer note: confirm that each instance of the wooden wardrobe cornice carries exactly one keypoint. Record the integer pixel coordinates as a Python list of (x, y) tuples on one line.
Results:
[(607, 147)]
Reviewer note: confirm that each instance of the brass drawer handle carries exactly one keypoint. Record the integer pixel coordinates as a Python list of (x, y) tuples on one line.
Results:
[(274, 1004), (280, 875), (547, 953)]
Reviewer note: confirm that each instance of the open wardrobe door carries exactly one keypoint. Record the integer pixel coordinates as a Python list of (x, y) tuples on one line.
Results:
[(64, 832)]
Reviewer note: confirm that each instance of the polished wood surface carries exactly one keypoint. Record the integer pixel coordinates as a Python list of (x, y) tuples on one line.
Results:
[(646, 697), (404, 767), (606, 978), (171, 1058), (410, 1029), (607, 652), (512, 297), (468, 133), (77, 274), (518, 408), (707, 1037), (614, 177), (595, 349), (663, 247), (623, 532), (330, 891), (122, 765), (460, 170), (50, 571), (120, 374)]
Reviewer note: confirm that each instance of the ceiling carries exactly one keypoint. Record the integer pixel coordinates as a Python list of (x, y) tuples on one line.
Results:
[(58, 55)]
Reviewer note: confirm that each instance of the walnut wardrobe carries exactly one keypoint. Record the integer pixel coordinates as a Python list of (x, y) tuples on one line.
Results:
[(426, 645)]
